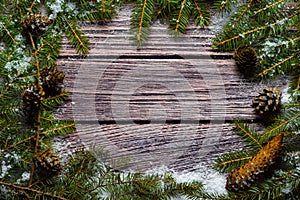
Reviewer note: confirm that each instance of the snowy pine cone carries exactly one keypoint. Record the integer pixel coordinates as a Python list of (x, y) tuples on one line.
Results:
[(52, 80), (36, 24)]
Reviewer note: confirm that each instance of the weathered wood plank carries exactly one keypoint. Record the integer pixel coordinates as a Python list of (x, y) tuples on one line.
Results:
[(179, 146), (177, 85), (169, 103)]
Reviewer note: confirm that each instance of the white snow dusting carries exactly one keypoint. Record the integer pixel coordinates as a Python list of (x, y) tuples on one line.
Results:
[(70, 6), (6, 163), (213, 181), (286, 97), (56, 8), (60, 145)]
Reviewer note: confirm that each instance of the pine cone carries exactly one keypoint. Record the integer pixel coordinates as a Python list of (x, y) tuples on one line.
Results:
[(33, 95), (241, 178), (268, 101), (47, 163), (246, 60), (52, 80), (36, 24)]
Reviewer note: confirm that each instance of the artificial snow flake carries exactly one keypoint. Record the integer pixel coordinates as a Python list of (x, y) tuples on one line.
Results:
[(25, 176), (56, 8), (242, 35), (19, 38), (71, 7), (104, 195), (4, 170), (20, 66), (213, 181)]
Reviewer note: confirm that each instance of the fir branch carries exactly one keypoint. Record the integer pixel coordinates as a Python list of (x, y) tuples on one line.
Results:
[(58, 129), (201, 14), (255, 30), (271, 189), (6, 89), (246, 8), (75, 35), (223, 6), (267, 7), (18, 143), (293, 40), (141, 19), (263, 73), (248, 135), (51, 102), (100, 10), (267, 190), (243, 13), (38, 126), (165, 8), (9, 85), (294, 84), (233, 160), (29, 189), (181, 17), (49, 48), (279, 126), (291, 105), (11, 109), (193, 190), (8, 38)]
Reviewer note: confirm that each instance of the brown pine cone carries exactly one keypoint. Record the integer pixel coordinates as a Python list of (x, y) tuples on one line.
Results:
[(243, 177)]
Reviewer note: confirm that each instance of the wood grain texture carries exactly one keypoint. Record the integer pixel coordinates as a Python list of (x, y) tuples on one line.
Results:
[(169, 103)]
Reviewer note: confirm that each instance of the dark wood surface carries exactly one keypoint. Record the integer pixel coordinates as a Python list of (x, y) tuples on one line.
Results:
[(170, 103)]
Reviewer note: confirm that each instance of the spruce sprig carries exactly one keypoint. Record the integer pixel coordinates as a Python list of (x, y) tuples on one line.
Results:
[(269, 27), (180, 18), (141, 19), (74, 34), (288, 121), (248, 134), (233, 160), (272, 186), (200, 14), (27, 124), (176, 13), (223, 6)]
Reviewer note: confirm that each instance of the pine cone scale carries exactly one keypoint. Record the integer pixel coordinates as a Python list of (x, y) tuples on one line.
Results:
[(36, 24), (268, 100), (246, 60), (47, 163)]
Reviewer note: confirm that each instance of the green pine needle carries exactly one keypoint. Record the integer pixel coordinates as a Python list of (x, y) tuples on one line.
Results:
[(223, 6), (248, 134), (233, 160), (74, 35), (180, 18), (288, 121), (200, 14), (140, 20)]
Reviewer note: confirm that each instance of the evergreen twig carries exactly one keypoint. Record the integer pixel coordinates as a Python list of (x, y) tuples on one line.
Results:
[(248, 134), (264, 72), (29, 189)]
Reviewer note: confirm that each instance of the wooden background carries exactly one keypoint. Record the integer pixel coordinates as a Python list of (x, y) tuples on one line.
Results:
[(169, 103)]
